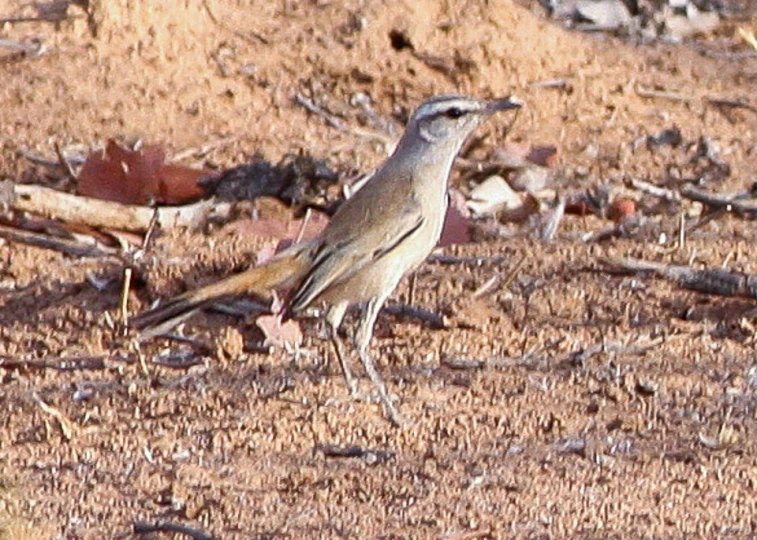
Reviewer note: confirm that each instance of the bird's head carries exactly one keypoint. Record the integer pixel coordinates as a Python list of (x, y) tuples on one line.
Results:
[(451, 119)]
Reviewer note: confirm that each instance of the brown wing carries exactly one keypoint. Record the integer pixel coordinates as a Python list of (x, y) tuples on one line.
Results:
[(368, 226)]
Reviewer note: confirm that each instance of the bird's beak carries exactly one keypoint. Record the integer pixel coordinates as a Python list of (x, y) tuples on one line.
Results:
[(504, 104)]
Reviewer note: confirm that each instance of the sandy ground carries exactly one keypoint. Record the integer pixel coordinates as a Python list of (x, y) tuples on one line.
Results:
[(588, 404)]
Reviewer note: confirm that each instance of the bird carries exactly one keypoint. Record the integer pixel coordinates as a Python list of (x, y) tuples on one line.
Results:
[(383, 232)]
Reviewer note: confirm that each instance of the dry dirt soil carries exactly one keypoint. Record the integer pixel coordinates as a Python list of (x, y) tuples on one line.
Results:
[(566, 402)]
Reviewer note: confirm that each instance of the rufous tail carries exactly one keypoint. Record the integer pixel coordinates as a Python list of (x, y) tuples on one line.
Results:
[(288, 267)]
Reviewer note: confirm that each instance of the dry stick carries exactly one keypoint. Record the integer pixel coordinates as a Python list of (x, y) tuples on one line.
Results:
[(373, 456), (514, 273), (68, 246), (46, 162), (718, 281), (732, 103), (64, 162), (66, 207), (554, 221), (486, 287), (467, 535), (74, 363), (560, 84), (264, 40), (472, 261), (67, 427), (149, 234), (658, 94), (733, 202), (582, 355), (336, 123), (303, 226), (668, 195), (202, 150), (498, 362), (411, 288), (125, 288), (140, 527), (30, 50), (434, 320)]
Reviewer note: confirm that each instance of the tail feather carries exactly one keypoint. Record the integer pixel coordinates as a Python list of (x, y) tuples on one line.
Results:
[(288, 267)]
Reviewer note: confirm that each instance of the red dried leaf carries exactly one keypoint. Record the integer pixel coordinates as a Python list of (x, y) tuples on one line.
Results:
[(138, 177), (543, 156), (121, 175), (622, 209), (456, 229), (178, 184)]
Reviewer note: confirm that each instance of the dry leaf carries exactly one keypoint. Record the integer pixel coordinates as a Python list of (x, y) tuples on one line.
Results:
[(544, 156), (532, 179), (693, 23), (121, 175), (456, 229), (605, 14), (493, 195), (138, 177), (279, 333)]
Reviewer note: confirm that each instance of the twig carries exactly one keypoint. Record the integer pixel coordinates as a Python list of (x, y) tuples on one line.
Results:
[(336, 123), (125, 288), (369, 455), (98, 213), (75, 247), (140, 527), (47, 162), (58, 364), (178, 360), (311, 107), (748, 36), (303, 225), (486, 287), (150, 233), (658, 94), (582, 356), (732, 103), (560, 84), (262, 39), (728, 55), (202, 150), (30, 50), (65, 163), (554, 220), (498, 362), (434, 320), (67, 427), (466, 535), (716, 281), (472, 261), (705, 219), (514, 272), (665, 194), (737, 203)]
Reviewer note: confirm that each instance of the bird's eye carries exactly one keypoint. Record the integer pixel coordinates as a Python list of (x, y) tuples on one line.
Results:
[(453, 112)]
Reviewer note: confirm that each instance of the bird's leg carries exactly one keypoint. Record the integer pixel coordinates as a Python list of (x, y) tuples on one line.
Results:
[(334, 320), (362, 341)]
